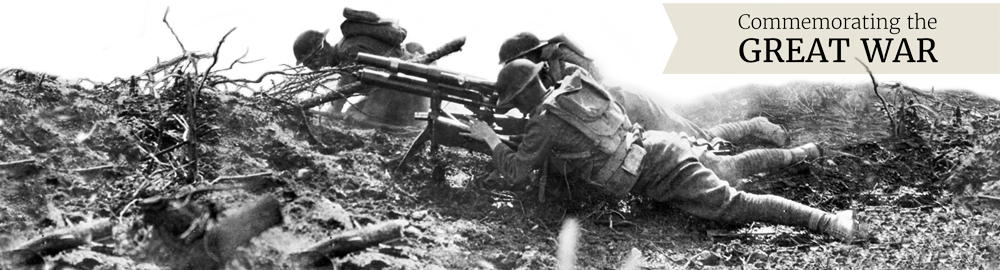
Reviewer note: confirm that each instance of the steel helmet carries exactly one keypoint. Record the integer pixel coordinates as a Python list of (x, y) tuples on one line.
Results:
[(308, 43), (519, 45), (514, 77)]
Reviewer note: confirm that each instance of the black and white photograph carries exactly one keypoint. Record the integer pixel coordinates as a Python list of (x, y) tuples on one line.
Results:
[(450, 134)]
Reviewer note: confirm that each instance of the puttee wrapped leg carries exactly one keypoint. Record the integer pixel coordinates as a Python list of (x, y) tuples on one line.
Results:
[(732, 168), (693, 188), (758, 127), (746, 207), (673, 175)]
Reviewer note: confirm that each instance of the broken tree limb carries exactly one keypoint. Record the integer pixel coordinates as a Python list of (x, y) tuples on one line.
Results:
[(91, 169), (215, 58), (172, 30), (192, 122), (20, 167), (305, 126), (987, 197), (17, 162), (352, 88), (340, 92), (192, 106), (350, 241), (885, 106), (58, 241), (41, 79), (258, 80), (240, 177)]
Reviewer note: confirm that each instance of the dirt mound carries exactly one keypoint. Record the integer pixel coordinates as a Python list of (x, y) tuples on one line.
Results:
[(283, 182)]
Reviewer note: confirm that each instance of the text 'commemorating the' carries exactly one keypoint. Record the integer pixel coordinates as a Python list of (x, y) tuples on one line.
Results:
[(791, 49)]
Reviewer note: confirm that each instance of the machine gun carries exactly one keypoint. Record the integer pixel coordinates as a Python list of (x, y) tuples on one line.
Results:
[(476, 94)]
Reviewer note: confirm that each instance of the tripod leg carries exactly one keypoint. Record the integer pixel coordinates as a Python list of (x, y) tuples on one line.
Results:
[(415, 146)]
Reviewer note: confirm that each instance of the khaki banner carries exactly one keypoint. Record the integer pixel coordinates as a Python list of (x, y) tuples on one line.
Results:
[(797, 38)]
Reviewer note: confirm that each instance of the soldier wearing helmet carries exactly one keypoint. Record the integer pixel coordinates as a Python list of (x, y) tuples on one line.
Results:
[(556, 52), (562, 58), (559, 58), (582, 126), (379, 106)]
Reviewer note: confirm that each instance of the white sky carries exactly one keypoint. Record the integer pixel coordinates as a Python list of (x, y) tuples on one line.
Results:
[(631, 40)]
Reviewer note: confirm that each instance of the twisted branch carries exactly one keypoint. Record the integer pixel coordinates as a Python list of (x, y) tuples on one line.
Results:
[(172, 30), (885, 106)]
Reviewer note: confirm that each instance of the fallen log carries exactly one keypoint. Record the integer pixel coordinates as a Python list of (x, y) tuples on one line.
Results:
[(31, 252), (350, 241)]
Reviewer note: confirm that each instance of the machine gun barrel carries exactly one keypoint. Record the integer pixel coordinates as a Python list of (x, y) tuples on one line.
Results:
[(430, 73), (418, 87)]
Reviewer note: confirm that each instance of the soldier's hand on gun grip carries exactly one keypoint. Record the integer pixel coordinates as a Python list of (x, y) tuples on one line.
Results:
[(479, 130)]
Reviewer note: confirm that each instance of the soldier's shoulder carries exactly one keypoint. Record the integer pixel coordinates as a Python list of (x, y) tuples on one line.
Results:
[(546, 119), (579, 77), (571, 68)]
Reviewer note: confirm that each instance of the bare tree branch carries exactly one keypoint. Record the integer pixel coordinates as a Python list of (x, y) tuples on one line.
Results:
[(172, 30), (885, 106), (19, 162), (240, 177)]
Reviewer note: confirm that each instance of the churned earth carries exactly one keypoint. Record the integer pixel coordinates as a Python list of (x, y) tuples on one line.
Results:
[(115, 154)]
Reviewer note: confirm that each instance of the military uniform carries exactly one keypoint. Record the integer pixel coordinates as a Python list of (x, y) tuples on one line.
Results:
[(642, 110), (639, 108), (559, 53), (379, 105), (563, 58), (651, 116), (584, 128)]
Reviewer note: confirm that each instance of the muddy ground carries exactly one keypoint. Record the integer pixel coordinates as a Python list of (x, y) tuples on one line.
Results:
[(106, 153)]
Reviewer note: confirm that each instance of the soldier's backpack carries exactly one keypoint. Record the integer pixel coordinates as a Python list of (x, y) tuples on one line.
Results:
[(367, 23), (588, 107)]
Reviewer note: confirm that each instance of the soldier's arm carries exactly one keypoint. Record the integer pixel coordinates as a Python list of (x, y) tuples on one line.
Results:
[(533, 150)]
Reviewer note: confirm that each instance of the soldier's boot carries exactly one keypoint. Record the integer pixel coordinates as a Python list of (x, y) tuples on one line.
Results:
[(734, 168), (807, 151), (757, 127), (844, 227)]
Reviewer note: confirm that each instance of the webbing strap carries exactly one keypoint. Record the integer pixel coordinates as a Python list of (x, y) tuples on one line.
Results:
[(616, 159)]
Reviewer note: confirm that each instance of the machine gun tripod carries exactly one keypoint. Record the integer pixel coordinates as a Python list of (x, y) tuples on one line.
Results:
[(440, 85)]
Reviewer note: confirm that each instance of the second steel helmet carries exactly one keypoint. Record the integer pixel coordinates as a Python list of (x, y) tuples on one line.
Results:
[(519, 45), (307, 44), (514, 77)]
